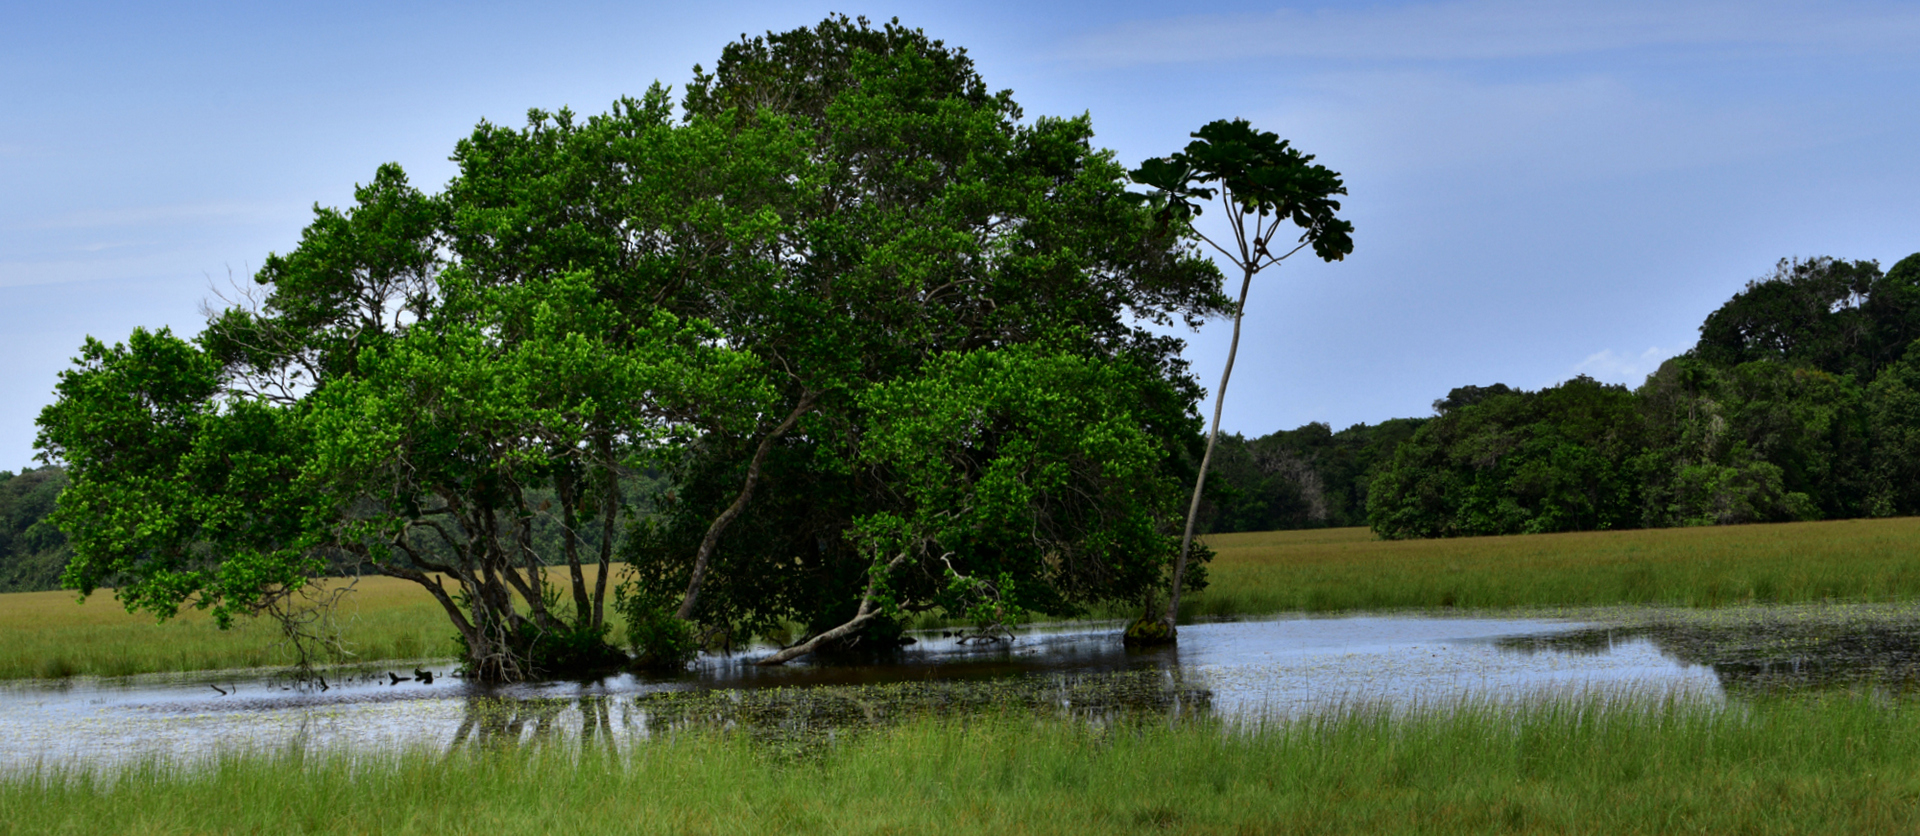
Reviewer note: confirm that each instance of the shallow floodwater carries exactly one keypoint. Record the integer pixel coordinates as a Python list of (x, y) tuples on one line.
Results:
[(1244, 669)]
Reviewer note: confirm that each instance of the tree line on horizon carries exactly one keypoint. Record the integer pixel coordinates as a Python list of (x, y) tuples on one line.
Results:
[(33, 552), (1801, 401)]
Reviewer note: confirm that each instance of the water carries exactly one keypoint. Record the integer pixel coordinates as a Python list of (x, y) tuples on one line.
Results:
[(1278, 667), (1770, 650)]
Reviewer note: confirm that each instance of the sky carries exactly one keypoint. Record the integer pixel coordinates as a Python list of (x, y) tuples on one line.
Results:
[(1539, 189)]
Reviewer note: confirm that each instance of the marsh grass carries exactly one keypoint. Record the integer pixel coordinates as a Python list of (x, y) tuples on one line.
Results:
[(1330, 570), (1841, 764), (48, 636)]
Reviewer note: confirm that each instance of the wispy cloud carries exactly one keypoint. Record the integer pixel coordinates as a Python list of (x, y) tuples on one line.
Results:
[(1501, 29), (1542, 129), (166, 215), (1612, 367)]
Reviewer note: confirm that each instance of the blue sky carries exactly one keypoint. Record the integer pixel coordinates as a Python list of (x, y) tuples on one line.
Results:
[(1539, 189)]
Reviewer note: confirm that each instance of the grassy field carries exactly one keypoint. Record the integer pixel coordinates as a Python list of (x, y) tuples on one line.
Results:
[(1839, 765), (1326, 570), (48, 635), (1347, 569)]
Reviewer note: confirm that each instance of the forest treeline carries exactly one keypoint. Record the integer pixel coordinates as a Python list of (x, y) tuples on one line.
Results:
[(1311, 477), (1801, 401), (32, 549)]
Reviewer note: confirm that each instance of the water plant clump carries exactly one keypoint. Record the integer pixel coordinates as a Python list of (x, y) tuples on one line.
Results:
[(1149, 630)]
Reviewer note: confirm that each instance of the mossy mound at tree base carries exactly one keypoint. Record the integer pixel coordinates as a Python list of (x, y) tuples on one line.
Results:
[(1150, 631)]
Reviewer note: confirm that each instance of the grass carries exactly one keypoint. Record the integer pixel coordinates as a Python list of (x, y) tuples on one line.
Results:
[(1842, 764), (49, 636), (1324, 570), (1331, 570)]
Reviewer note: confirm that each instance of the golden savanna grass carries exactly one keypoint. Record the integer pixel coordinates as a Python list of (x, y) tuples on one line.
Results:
[(49, 635), (1348, 569)]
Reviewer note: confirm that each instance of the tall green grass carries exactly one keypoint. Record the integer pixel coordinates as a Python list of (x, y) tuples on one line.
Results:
[(1843, 764), (1347, 569)]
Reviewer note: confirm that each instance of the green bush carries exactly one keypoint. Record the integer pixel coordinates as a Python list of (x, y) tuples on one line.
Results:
[(660, 641), (571, 650)]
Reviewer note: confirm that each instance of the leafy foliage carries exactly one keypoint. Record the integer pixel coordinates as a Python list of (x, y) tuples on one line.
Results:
[(430, 385), (1257, 173), (659, 640), (174, 498), (1557, 460), (1031, 471), (935, 224)]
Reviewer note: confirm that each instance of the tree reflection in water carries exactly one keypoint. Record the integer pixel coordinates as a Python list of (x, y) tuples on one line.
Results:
[(799, 720), (493, 721)]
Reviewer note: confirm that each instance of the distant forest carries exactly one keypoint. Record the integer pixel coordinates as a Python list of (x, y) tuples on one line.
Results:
[(32, 551), (1801, 401)]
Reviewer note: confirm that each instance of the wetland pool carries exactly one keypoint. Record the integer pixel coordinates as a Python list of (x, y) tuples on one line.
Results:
[(1279, 667)]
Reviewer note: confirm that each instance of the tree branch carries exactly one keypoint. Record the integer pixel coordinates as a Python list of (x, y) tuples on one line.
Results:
[(861, 616), (726, 518)]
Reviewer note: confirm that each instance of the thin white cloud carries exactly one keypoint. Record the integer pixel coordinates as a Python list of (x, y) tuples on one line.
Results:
[(103, 246), (1502, 29), (1589, 127), (115, 263), (1612, 367), (166, 215)]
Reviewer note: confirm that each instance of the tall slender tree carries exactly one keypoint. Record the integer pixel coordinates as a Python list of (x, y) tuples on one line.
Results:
[(1262, 182)]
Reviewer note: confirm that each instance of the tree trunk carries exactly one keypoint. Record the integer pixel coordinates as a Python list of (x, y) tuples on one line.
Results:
[(712, 540), (610, 500), (862, 616), (567, 490), (1213, 435)]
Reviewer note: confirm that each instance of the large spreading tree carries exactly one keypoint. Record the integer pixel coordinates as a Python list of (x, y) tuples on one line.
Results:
[(885, 337)]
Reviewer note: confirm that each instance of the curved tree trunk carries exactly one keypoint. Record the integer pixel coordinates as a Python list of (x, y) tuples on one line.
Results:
[(712, 539), (610, 499), (1213, 435), (861, 616)]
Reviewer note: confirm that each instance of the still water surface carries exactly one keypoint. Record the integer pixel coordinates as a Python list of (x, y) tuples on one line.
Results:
[(1281, 667)]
